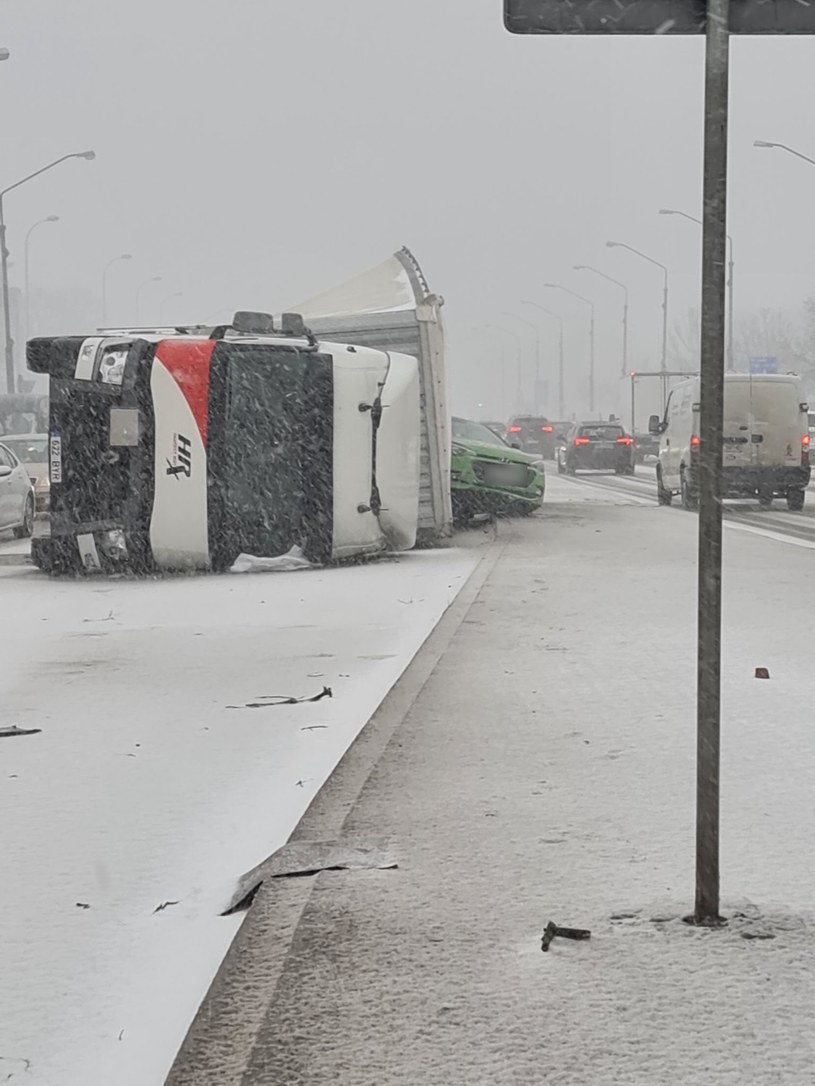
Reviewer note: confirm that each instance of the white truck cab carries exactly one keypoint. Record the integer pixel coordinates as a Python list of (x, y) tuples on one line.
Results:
[(765, 446)]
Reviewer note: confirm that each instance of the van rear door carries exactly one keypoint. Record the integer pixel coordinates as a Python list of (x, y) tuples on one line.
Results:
[(777, 421), (739, 444)]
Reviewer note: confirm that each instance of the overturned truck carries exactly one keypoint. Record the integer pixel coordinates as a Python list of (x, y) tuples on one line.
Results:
[(180, 449)]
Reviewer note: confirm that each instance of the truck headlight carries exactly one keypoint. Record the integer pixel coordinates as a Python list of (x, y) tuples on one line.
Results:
[(112, 368), (112, 543)]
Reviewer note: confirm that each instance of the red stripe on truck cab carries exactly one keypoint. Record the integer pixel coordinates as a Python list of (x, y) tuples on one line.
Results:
[(189, 365)]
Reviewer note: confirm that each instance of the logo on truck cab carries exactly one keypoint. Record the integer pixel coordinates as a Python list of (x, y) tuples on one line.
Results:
[(181, 462)]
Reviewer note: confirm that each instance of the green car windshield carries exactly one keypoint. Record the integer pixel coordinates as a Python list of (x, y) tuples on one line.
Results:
[(464, 430)]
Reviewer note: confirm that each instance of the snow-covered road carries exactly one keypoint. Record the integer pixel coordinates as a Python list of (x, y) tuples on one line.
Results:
[(150, 784)]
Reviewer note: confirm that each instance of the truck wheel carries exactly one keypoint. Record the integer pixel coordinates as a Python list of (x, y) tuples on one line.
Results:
[(690, 499), (664, 497), (795, 500)]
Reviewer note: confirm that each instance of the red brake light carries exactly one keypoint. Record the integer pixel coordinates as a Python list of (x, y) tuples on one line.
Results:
[(514, 429), (547, 429), (623, 440), (581, 441), (806, 440), (695, 441)]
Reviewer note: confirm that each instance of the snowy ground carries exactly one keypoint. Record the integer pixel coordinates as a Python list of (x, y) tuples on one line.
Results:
[(144, 786), (547, 772)]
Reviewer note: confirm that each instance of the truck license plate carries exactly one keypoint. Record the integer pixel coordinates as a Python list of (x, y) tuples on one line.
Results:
[(55, 458)]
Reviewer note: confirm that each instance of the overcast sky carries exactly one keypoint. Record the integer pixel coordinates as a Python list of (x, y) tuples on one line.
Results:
[(252, 152)]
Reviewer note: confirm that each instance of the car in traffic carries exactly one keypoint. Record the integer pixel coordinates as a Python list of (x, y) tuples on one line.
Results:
[(32, 452), (596, 446), (489, 476), (532, 434), (645, 445), (16, 496)]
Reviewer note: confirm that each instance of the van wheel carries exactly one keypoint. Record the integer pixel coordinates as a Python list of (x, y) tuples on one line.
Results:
[(765, 499), (690, 499), (795, 500), (664, 497)]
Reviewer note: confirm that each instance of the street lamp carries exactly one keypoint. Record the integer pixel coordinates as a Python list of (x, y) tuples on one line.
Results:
[(560, 374), (590, 304), (692, 218), (31, 229), (519, 342), (169, 298), (784, 147), (536, 330), (140, 288), (624, 288), (650, 259), (110, 263), (4, 254)]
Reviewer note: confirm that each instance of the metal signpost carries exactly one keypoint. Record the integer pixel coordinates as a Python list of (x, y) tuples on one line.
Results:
[(716, 19)]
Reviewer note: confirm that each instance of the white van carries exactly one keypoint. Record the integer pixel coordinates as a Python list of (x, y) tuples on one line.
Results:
[(765, 450)]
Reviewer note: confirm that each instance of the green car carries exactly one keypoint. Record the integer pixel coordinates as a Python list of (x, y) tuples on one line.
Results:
[(489, 476)]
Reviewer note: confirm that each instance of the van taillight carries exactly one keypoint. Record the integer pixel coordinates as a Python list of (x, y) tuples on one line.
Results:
[(806, 441), (695, 442), (582, 440), (514, 429), (624, 441)]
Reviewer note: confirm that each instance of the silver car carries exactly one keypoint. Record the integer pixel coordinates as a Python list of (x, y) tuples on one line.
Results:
[(16, 495), (32, 452)]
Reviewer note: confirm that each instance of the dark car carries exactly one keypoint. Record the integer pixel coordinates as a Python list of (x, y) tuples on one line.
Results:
[(596, 446), (645, 445), (532, 434)]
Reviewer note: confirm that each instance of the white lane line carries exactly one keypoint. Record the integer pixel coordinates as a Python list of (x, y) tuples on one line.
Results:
[(796, 541)]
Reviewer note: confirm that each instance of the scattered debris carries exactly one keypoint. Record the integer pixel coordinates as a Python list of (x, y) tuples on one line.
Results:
[(121, 1034), (6, 733), (293, 559), (108, 619), (762, 673), (303, 783), (163, 905), (554, 931), (314, 727), (82, 905), (300, 858), (270, 700)]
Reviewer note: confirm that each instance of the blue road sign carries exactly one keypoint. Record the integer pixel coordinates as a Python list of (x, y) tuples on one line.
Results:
[(763, 365)]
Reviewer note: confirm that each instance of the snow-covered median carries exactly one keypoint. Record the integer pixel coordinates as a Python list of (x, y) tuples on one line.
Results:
[(153, 785)]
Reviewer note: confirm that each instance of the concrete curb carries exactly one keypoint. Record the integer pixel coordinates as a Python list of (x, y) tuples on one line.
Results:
[(218, 1045)]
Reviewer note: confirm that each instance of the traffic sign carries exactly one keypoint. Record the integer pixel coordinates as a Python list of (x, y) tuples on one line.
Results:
[(764, 365), (654, 17)]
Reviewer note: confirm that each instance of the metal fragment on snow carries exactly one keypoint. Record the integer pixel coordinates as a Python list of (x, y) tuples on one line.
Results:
[(300, 858)]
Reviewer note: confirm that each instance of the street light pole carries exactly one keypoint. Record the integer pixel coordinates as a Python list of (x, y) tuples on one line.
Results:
[(31, 229), (519, 360), (495, 328), (536, 330), (590, 304), (139, 289), (624, 288), (4, 255), (561, 369), (783, 147), (692, 218), (650, 259), (110, 263)]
